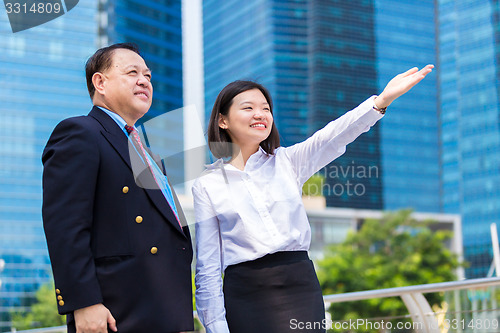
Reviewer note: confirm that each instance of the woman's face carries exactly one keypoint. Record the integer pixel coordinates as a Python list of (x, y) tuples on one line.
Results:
[(249, 121)]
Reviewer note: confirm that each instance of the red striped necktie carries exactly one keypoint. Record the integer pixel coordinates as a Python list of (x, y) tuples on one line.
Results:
[(169, 195)]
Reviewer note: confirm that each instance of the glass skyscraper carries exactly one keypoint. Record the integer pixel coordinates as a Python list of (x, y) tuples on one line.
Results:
[(409, 135), (344, 74), (469, 51), (357, 47), (43, 80)]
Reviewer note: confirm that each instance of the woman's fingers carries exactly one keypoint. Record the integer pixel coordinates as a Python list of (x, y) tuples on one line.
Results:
[(410, 71), (426, 70), (422, 73)]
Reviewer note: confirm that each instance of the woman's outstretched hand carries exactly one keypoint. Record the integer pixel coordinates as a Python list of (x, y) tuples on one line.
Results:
[(400, 84)]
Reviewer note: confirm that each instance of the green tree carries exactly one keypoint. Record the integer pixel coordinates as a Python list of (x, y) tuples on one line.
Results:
[(43, 312), (314, 185), (395, 251)]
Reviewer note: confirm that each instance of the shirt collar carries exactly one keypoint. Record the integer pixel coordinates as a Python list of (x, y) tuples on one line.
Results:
[(116, 117), (217, 164), (220, 162)]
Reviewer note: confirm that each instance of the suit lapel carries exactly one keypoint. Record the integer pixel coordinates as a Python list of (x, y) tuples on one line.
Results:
[(117, 138), (113, 133)]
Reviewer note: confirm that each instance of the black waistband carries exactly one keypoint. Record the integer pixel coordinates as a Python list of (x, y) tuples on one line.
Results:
[(273, 259)]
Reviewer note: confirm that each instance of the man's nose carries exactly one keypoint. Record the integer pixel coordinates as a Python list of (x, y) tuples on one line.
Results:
[(143, 81)]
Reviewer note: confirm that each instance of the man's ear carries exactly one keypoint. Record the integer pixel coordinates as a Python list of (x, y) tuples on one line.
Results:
[(98, 81)]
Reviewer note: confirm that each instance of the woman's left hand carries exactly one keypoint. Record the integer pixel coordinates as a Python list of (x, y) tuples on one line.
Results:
[(400, 84)]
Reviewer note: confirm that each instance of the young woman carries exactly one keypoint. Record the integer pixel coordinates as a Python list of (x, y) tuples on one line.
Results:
[(251, 223)]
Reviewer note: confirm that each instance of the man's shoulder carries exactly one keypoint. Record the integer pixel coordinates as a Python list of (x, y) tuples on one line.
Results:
[(88, 124), (78, 128), (78, 121)]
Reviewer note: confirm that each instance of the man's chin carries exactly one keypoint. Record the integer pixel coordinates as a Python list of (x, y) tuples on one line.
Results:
[(142, 108)]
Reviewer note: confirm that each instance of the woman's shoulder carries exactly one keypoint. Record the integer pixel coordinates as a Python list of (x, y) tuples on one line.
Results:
[(211, 172)]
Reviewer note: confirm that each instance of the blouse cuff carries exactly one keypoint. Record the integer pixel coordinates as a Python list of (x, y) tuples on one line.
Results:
[(372, 116), (219, 326)]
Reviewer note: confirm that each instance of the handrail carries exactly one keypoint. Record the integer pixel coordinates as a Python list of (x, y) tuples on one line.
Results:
[(424, 288)]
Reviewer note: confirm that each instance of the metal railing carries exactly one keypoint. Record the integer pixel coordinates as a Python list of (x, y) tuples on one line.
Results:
[(423, 288), (419, 309)]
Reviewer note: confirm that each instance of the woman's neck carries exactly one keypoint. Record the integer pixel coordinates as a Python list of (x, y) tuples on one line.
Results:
[(241, 156)]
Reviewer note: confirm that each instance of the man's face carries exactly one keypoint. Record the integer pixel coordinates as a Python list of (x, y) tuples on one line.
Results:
[(127, 85)]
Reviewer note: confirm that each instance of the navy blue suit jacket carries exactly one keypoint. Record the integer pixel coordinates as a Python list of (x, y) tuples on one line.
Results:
[(111, 241)]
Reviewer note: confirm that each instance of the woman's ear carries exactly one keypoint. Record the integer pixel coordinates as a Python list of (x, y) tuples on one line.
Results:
[(222, 121)]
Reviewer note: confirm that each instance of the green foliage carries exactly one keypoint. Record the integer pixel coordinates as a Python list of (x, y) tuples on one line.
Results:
[(43, 311), (395, 251), (314, 186)]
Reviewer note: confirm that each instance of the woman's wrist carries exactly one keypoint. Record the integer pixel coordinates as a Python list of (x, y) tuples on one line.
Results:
[(380, 103)]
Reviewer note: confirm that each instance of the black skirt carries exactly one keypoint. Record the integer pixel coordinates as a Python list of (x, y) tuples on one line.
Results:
[(277, 293)]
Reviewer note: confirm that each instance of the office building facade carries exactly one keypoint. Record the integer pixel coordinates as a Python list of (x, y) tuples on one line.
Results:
[(409, 141), (344, 74), (42, 74), (469, 117)]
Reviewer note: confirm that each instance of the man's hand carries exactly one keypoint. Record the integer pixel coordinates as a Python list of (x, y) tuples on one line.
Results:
[(94, 319)]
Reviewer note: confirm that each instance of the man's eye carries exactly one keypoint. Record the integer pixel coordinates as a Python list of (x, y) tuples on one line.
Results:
[(133, 72)]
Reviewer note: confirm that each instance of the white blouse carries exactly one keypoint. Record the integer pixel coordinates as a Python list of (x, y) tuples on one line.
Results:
[(244, 215)]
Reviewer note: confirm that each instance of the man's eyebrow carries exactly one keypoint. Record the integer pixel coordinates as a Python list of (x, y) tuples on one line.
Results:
[(137, 67)]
